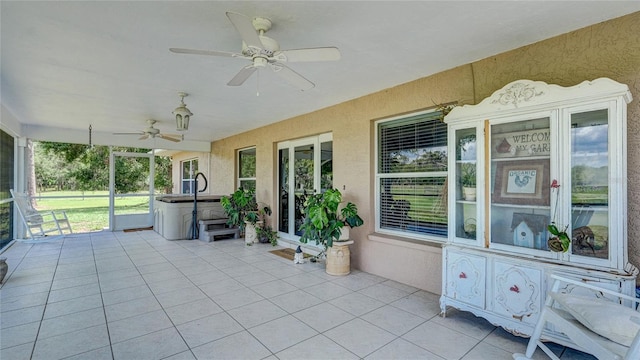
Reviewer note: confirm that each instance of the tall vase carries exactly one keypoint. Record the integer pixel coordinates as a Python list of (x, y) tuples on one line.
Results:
[(250, 234), (339, 258)]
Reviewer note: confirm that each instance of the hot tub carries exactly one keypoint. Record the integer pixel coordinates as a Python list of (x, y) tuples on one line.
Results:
[(173, 214)]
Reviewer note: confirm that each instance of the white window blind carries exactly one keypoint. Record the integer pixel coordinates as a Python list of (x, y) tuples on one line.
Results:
[(411, 176)]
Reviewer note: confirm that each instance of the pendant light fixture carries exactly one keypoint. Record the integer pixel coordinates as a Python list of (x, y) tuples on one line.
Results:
[(182, 114)]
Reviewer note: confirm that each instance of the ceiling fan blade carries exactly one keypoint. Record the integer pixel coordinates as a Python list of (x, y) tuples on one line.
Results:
[(242, 76), (167, 137), (204, 52), (130, 133), (244, 26), (144, 137), (292, 77), (311, 54)]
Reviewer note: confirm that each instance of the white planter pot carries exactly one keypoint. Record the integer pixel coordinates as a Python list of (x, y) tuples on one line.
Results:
[(344, 234), (469, 193), (250, 235), (339, 258)]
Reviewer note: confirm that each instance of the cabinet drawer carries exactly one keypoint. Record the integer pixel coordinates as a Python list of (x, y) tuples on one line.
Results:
[(466, 278), (516, 291)]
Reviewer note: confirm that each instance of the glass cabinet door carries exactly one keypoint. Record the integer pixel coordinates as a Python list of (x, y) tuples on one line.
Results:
[(520, 188), (466, 183), (590, 184)]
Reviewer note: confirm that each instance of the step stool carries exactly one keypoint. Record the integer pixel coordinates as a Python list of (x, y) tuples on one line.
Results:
[(211, 228)]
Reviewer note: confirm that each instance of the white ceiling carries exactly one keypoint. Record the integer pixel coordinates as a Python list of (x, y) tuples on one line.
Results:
[(106, 63)]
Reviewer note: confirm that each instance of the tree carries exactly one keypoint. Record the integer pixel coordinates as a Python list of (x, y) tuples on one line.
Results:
[(163, 174), (86, 168), (51, 170), (31, 173)]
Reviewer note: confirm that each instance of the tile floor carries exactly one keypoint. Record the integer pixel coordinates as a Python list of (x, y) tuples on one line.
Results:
[(135, 295)]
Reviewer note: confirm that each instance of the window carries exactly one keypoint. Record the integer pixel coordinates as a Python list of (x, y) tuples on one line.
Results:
[(6, 183), (247, 169), (189, 171), (411, 176)]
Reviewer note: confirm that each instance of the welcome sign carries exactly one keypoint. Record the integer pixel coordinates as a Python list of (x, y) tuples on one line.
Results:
[(521, 144)]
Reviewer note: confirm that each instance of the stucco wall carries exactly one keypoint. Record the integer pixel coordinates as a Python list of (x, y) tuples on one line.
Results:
[(203, 167), (610, 49)]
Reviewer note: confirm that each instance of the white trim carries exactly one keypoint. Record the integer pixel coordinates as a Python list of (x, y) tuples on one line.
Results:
[(121, 222), (316, 141), (241, 179)]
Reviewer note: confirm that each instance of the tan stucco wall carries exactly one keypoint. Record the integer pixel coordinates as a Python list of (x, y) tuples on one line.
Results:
[(203, 167), (610, 49)]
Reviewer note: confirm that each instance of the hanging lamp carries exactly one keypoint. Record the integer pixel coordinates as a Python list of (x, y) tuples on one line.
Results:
[(182, 114)]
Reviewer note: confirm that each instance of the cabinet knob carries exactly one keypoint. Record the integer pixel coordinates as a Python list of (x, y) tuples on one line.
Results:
[(462, 275)]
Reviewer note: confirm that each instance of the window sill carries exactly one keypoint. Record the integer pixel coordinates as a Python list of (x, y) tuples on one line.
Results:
[(422, 245)]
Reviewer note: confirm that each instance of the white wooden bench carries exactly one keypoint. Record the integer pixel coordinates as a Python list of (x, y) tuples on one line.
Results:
[(209, 229)]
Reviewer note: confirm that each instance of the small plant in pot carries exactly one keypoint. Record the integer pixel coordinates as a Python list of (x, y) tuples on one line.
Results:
[(324, 219), (468, 180), (559, 240), (264, 231)]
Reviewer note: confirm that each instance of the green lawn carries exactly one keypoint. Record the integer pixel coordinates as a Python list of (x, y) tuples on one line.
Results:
[(90, 213)]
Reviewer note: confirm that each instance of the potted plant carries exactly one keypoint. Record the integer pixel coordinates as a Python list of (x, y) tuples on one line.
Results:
[(560, 240), (257, 227), (237, 205), (468, 181), (324, 223), (266, 234), (244, 212)]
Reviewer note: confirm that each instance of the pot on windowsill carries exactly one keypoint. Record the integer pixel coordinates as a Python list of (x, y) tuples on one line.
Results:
[(469, 193), (468, 181)]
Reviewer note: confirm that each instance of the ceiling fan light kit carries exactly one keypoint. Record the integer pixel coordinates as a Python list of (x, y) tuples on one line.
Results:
[(182, 114), (261, 51)]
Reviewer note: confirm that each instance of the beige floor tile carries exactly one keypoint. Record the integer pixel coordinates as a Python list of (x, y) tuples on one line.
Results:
[(360, 337), (402, 349), (241, 345), (282, 333), (441, 340), (221, 300)]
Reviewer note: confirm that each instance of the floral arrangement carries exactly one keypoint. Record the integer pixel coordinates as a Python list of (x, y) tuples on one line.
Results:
[(560, 240)]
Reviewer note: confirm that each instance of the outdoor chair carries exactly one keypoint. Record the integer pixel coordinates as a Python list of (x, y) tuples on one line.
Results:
[(40, 224), (597, 321)]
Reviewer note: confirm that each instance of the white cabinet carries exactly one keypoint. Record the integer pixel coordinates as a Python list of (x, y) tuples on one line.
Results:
[(466, 276), (516, 290), (535, 154)]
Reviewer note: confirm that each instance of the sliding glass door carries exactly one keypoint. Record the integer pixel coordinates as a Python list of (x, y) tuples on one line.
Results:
[(305, 167)]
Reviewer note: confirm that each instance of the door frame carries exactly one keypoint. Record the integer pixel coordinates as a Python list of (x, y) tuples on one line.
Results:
[(130, 221), (316, 142)]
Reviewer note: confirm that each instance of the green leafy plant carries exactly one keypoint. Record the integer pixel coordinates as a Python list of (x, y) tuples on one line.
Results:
[(241, 208), (468, 174), (238, 206), (267, 234), (324, 220), (560, 241)]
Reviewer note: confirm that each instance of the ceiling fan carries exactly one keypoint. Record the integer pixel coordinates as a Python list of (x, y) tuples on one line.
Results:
[(261, 51), (152, 132)]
